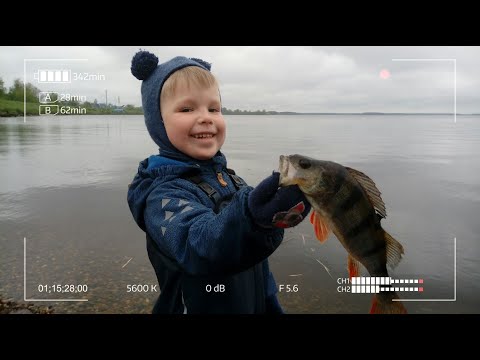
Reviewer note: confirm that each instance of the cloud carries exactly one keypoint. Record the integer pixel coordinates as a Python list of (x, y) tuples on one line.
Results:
[(303, 79)]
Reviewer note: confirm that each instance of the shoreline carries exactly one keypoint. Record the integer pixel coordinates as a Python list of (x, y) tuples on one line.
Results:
[(9, 306)]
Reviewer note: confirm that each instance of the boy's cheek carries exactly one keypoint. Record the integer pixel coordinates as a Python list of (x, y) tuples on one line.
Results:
[(221, 140)]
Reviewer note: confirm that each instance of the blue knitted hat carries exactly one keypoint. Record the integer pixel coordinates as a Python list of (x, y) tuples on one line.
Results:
[(145, 67)]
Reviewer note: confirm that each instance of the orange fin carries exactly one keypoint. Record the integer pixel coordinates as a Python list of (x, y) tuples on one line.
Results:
[(373, 309), (353, 267), (389, 307), (320, 226)]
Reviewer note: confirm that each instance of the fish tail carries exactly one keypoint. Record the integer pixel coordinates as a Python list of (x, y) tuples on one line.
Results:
[(385, 305)]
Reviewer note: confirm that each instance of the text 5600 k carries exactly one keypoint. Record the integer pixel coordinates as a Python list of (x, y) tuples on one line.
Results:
[(142, 288)]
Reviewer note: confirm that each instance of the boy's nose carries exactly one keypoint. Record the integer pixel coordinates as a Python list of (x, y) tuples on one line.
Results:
[(205, 117)]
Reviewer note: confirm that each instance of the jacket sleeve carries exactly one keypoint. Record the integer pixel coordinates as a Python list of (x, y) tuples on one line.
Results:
[(272, 305), (201, 241)]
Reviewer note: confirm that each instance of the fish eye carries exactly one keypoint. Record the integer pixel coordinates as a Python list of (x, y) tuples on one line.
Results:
[(304, 163)]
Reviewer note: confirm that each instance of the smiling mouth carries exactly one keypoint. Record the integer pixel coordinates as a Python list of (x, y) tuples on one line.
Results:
[(203, 136)]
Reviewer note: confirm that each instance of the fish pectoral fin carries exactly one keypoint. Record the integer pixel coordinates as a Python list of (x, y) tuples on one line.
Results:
[(319, 226), (394, 250), (353, 267)]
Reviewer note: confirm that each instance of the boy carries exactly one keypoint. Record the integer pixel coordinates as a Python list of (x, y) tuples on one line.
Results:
[(208, 234)]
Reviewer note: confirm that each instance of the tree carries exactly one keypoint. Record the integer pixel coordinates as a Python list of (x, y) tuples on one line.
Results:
[(2, 88), (16, 92), (31, 93)]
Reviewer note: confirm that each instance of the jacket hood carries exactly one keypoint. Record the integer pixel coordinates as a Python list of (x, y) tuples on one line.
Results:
[(145, 67)]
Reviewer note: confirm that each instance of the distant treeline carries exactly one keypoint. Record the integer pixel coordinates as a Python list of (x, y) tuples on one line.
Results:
[(226, 111), (15, 92), (12, 102)]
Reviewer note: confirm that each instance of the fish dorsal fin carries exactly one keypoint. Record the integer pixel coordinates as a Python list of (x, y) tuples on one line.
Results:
[(353, 267), (320, 226), (371, 189), (394, 250)]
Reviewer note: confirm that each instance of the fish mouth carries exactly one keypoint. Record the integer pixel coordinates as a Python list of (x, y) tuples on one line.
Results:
[(286, 171), (281, 168)]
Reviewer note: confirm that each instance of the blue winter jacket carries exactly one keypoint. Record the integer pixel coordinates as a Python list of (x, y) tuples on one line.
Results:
[(205, 262)]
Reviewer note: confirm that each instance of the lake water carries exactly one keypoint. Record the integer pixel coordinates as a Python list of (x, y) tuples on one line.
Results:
[(63, 188)]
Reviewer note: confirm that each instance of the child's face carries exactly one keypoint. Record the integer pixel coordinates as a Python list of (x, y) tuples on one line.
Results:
[(193, 120)]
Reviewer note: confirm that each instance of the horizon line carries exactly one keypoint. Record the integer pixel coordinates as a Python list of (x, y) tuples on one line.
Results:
[(357, 113)]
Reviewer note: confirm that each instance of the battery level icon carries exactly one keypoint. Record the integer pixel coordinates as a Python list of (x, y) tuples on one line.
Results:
[(53, 76)]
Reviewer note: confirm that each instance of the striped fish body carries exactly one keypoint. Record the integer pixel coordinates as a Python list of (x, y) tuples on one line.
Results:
[(342, 203), (347, 202)]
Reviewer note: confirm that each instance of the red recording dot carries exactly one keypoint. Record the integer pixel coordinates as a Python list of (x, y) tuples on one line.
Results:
[(420, 281), (420, 289)]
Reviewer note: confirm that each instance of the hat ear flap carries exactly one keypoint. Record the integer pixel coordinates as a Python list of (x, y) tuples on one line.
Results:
[(144, 64), (205, 64)]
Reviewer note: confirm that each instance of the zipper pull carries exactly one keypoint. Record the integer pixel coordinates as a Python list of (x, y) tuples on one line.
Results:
[(220, 179)]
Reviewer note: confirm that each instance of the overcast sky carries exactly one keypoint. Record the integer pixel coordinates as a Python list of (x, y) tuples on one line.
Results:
[(301, 79)]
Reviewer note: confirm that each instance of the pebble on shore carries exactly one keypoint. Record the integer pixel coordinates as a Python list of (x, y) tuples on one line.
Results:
[(12, 307)]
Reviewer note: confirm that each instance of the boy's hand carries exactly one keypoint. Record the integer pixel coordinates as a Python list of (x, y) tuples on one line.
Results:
[(270, 206)]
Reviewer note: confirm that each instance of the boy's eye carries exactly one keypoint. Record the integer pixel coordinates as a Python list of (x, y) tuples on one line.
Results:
[(214, 110), (185, 109)]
